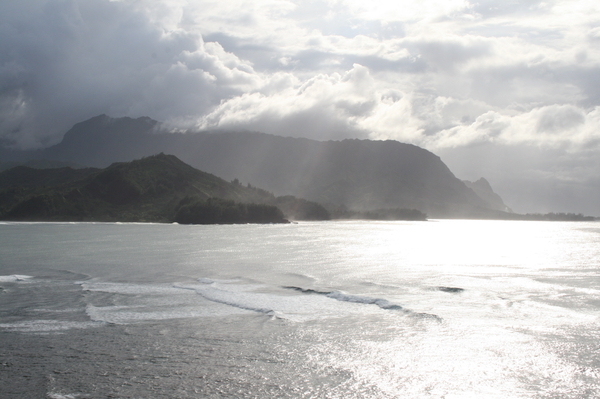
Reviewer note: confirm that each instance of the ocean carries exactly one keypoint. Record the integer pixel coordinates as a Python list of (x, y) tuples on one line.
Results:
[(342, 309)]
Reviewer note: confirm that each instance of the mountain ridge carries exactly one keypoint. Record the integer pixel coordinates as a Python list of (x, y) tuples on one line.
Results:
[(152, 189), (357, 174), (484, 190)]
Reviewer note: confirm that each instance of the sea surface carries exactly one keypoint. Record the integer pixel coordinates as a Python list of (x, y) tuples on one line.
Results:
[(345, 309)]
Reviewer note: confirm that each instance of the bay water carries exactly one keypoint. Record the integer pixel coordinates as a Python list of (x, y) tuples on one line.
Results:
[(343, 309)]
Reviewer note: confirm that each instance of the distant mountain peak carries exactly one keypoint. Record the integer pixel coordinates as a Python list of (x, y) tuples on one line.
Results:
[(484, 190)]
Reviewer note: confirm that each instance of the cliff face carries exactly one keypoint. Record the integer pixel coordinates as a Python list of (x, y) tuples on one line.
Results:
[(484, 190), (359, 174)]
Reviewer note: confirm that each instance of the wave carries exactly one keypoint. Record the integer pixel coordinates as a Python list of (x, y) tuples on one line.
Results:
[(53, 395), (127, 288), (340, 296), (380, 302), (452, 290), (154, 302), (14, 278), (244, 296), (123, 315), (128, 303), (208, 281), (241, 300), (48, 326), (307, 290)]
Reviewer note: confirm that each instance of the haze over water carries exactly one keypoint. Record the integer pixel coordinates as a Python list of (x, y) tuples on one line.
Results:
[(438, 309)]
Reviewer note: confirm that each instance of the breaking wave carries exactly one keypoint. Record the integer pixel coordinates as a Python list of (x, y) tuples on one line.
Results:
[(14, 278), (241, 300), (382, 303), (340, 296)]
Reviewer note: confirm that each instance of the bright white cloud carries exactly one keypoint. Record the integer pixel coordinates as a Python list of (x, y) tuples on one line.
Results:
[(323, 107), (552, 126)]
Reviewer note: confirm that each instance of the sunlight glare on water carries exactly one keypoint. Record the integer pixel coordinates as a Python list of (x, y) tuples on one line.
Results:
[(353, 309)]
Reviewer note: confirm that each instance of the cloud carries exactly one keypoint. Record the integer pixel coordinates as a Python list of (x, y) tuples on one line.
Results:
[(323, 107), (554, 126), (453, 67), (66, 61)]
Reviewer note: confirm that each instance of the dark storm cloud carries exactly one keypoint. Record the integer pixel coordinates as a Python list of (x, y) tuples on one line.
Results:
[(65, 61)]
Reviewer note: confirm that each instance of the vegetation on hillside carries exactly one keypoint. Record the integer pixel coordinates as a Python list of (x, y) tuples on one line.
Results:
[(301, 209), (159, 188), (558, 217), (219, 211)]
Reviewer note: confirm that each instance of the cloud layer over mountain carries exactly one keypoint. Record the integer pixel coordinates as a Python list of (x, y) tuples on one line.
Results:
[(508, 90)]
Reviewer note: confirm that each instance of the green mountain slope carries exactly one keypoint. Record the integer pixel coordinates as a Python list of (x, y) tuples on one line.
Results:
[(25, 176), (152, 189), (39, 164)]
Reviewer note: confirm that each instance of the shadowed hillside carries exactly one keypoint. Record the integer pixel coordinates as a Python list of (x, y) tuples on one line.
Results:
[(159, 188)]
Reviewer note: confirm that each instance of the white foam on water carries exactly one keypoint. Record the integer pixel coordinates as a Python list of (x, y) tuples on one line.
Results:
[(71, 310), (14, 278), (135, 303), (232, 284), (144, 302), (382, 303), (124, 315), (256, 302), (306, 304), (48, 326), (129, 289), (54, 395)]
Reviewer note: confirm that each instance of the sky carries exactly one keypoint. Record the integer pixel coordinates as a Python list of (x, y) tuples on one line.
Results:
[(506, 90)]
